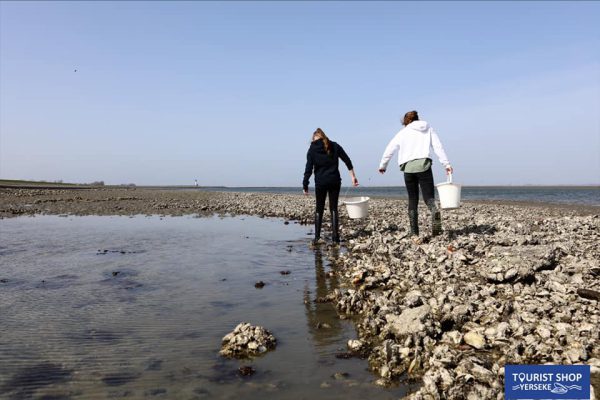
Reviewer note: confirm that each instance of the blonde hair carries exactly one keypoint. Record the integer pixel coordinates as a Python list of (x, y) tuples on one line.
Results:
[(319, 134)]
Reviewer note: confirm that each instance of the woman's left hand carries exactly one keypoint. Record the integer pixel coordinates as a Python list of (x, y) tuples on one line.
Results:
[(354, 181)]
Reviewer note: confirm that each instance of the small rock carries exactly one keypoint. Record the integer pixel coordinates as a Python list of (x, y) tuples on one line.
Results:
[(157, 392), (382, 382), (246, 370), (355, 345), (543, 332), (340, 375), (502, 329), (259, 285), (324, 299), (247, 341), (409, 322), (475, 340), (385, 372), (490, 332), (454, 337), (413, 298)]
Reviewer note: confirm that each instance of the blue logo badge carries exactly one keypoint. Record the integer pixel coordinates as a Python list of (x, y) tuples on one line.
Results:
[(547, 382)]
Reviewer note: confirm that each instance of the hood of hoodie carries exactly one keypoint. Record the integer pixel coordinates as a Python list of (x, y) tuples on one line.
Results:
[(419, 126), (317, 143), (319, 146)]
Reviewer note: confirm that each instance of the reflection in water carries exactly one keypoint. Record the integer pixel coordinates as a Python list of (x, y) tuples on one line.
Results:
[(322, 319)]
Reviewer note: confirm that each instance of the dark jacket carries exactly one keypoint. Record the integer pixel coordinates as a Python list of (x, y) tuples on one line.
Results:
[(325, 165)]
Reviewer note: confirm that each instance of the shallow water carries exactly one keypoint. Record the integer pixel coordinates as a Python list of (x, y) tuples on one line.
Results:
[(120, 307)]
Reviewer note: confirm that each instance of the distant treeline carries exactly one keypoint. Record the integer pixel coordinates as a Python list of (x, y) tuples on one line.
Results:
[(59, 182)]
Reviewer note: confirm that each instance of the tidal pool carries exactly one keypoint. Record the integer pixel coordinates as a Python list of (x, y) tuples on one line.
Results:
[(135, 307)]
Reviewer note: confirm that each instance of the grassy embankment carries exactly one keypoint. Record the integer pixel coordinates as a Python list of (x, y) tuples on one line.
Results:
[(18, 183)]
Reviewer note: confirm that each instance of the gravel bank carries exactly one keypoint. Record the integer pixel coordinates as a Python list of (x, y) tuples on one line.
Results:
[(503, 284)]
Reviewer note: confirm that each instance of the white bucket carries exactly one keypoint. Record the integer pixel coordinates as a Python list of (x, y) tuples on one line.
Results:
[(357, 207), (449, 194)]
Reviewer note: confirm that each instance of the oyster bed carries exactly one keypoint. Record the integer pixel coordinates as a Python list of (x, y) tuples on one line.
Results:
[(502, 284)]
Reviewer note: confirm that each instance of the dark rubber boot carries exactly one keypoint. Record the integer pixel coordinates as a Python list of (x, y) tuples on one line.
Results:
[(318, 223), (413, 218), (335, 226), (436, 218)]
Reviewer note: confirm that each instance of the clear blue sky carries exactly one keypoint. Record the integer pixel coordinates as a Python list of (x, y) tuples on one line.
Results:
[(229, 93)]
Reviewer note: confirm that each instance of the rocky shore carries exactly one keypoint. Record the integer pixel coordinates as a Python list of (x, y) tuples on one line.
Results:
[(504, 284)]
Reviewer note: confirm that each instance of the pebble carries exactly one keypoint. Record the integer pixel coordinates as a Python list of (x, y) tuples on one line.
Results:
[(340, 375), (474, 339), (246, 370), (355, 345)]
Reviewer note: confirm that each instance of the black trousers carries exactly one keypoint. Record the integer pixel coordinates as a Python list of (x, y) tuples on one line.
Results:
[(425, 181), (321, 193)]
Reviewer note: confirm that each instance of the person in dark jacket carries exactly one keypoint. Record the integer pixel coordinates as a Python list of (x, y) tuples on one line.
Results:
[(323, 157)]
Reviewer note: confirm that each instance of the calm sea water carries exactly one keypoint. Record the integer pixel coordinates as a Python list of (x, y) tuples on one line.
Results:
[(589, 195), (144, 319)]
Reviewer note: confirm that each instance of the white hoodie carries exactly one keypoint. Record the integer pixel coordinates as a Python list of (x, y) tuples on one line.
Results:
[(413, 142)]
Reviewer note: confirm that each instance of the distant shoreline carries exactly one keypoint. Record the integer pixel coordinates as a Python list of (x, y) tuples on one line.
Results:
[(167, 187)]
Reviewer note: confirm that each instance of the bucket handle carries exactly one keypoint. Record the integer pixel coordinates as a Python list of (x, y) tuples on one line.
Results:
[(346, 193), (449, 178)]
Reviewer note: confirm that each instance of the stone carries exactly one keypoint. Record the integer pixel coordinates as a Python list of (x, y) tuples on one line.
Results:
[(413, 298), (543, 332), (409, 322), (247, 341), (474, 340), (355, 345)]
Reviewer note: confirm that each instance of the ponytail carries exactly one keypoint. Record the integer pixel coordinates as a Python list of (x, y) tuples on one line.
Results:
[(410, 117), (319, 134)]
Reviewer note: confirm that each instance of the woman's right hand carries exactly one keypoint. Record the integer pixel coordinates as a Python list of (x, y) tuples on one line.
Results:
[(354, 181), (305, 192)]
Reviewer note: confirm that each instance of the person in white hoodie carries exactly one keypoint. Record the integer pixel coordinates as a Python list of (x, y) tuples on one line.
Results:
[(413, 143)]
